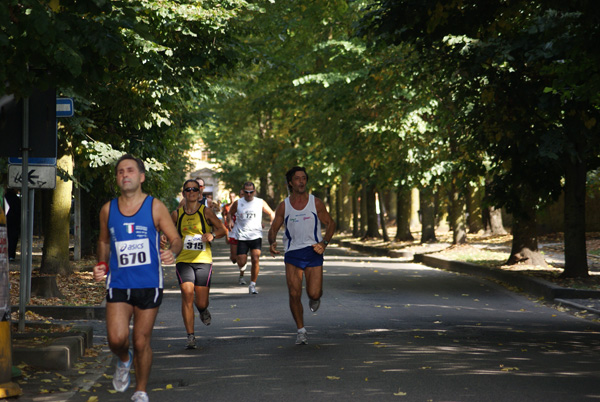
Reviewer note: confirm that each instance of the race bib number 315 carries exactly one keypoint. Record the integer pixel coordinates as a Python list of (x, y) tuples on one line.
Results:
[(193, 242), (132, 253)]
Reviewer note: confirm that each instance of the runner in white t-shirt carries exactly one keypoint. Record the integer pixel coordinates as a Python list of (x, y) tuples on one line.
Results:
[(248, 212)]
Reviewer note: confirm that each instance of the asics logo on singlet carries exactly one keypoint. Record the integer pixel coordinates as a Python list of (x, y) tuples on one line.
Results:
[(123, 248), (135, 247)]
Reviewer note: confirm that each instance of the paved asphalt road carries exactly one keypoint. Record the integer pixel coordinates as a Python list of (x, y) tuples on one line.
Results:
[(386, 331)]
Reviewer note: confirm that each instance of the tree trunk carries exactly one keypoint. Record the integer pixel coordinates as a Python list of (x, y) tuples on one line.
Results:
[(372, 226), (427, 199), (576, 265), (263, 189), (382, 210), (392, 205), (474, 218), (524, 244), (87, 241), (338, 207), (57, 215), (457, 215), (415, 207), (355, 217), (492, 217), (344, 195), (363, 209), (403, 202), (492, 222)]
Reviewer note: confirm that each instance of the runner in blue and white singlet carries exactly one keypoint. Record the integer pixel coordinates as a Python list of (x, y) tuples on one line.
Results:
[(304, 245), (134, 249), (130, 257), (302, 231)]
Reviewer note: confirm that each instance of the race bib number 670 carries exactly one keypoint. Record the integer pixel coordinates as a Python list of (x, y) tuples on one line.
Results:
[(132, 253)]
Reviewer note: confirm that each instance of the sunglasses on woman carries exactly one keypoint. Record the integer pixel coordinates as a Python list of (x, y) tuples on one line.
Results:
[(190, 189)]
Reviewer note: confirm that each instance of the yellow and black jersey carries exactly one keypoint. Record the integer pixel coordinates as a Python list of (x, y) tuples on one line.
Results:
[(191, 227)]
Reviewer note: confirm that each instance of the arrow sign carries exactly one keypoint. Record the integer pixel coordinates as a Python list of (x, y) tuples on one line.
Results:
[(38, 176)]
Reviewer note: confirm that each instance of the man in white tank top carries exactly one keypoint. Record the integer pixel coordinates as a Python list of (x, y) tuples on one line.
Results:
[(248, 212), (302, 214)]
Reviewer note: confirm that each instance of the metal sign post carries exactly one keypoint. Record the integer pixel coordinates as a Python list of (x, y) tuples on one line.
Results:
[(25, 283)]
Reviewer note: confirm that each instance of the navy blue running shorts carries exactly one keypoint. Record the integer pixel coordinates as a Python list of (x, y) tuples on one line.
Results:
[(304, 258)]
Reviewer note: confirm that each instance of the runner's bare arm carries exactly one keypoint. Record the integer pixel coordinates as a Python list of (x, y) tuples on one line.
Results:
[(326, 220), (103, 253), (218, 228), (231, 214), (164, 223), (275, 226), (267, 210)]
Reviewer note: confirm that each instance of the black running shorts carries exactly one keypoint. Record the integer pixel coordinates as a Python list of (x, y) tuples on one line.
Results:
[(198, 273), (144, 299), (246, 245)]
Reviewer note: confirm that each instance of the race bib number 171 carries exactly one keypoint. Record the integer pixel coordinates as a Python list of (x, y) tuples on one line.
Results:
[(132, 253)]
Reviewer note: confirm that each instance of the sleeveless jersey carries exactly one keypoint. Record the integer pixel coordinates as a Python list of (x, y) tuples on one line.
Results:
[(249, 219), (302, 228), (134, 249), (191, 227)]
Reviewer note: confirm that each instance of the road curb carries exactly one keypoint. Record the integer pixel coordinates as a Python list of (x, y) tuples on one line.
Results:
[(59, 354), (375, 250), (535, 286), (67, 312)]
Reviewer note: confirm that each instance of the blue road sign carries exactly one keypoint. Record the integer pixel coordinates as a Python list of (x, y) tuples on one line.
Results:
[(64, 107), (33, 161)]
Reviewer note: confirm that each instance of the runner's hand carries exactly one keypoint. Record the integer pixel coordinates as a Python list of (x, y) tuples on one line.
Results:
[(100, 271), (167, 257), (273, 249), (319, 248), (163, 242)]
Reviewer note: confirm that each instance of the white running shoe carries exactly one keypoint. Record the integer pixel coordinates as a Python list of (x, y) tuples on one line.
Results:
[(191, 342), (301, 338), (205, 317), (252, 289), (122, 378), (140, 396), (242, 281), (314, 304)]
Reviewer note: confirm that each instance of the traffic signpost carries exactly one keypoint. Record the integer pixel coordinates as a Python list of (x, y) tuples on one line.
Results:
[(40, 173)]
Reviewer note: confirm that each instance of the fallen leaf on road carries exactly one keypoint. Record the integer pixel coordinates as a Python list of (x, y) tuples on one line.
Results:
[(169, 386), (112, 391), (331, 377), (92, 399), (237, 319), (400, 393), (157, 389)]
